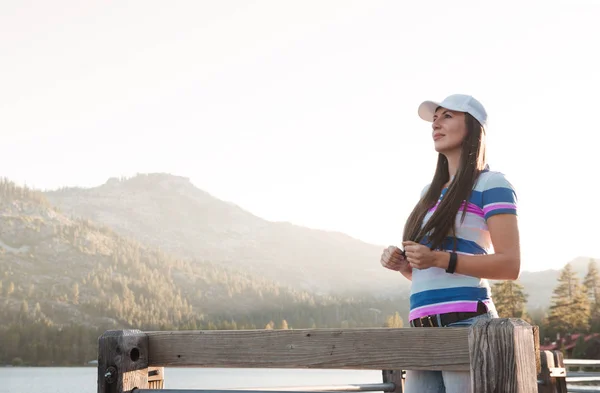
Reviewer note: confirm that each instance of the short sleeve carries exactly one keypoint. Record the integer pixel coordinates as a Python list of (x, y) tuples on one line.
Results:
[(499, 196)]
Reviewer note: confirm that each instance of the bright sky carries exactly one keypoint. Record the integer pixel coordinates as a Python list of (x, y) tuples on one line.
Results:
[(306, 111)]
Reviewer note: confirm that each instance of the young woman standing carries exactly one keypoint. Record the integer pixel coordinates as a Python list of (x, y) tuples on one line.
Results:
[(462, 232)]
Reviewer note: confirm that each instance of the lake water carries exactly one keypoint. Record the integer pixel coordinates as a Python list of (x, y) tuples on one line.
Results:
[(83, 379)]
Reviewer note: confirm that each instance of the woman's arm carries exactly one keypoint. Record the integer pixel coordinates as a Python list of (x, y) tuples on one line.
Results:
[(407, 272), (504, 264)]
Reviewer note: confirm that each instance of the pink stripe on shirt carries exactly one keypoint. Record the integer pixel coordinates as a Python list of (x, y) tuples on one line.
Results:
[(464, 306), (488, 209), (471, 208)]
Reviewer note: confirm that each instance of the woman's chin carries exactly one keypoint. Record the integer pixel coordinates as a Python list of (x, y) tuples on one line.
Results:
[(443, 148), (440, 148)]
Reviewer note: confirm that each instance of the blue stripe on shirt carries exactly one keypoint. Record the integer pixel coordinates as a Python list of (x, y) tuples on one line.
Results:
[(434, 296), (499, 194), (462, 245)]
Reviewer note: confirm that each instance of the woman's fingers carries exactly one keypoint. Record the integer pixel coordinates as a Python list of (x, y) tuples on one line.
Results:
[(386, 258), (392, 253), (392, 258), (414, 264)]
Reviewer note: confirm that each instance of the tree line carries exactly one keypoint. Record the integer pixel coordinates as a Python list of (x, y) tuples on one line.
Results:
[(575, 305), (30, 337)]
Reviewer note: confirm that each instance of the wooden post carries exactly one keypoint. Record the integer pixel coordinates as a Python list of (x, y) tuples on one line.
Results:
[(395, 377), (536, 343), (122, 361), (503, 359), (561, 381), (548, 384), (156, 377), (553, 373)]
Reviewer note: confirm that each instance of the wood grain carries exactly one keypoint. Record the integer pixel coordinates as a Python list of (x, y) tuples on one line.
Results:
[(503, 356), (156, 377), (548, 384), (376, 349), (122, 361), (561, 383), (536, 347)]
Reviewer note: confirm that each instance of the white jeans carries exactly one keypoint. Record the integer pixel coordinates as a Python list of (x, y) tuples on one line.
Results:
[(443, 381)]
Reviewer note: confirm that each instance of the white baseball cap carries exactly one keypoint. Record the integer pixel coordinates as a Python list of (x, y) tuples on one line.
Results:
[(455, 102)]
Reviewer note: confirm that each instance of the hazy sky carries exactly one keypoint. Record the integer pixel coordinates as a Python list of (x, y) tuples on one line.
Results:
[(306, 111)]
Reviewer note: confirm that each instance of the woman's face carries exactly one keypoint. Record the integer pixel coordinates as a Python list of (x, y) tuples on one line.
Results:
[(449, 130)]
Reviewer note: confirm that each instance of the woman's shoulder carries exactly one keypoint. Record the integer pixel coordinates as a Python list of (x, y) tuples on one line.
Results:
[(496, 194), (493, 179)]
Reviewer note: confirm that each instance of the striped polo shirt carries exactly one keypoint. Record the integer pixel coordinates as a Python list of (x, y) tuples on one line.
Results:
[(434, 291)]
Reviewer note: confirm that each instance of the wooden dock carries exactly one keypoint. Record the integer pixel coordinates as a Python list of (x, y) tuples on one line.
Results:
[(501, 354)]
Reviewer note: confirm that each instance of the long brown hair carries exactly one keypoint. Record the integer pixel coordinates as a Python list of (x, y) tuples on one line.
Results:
[(442, 222)]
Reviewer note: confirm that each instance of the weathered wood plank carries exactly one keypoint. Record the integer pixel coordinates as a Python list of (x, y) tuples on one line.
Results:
[(122, 361), (548, 384), (561, 383), (503, 356), (375, 349), (251, 390), (536, 347), (156, 377)]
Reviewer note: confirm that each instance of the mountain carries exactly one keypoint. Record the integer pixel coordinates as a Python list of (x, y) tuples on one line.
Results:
[(65, 280), (71, 270), (115, 241), (169, 212)]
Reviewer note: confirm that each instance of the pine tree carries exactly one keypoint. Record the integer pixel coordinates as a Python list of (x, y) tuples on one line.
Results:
[(75, 293), (510, 299), (10, 289), (394, 321), (24, 308), (538, 316), (24, 312), (592, 286), (570, 309)]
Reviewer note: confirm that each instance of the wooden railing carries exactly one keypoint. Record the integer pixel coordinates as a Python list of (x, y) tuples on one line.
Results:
[(501, 354)]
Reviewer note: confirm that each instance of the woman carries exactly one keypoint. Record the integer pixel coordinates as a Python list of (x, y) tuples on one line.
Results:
[(447, 242)]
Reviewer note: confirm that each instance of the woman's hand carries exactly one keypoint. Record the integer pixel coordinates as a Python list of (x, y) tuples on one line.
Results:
[(420, 256), (392, 259)]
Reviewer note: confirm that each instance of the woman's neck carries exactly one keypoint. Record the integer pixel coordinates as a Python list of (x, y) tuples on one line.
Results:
[(453, 162)]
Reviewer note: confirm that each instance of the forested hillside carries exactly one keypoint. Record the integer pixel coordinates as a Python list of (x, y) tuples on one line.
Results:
[(59, 274)]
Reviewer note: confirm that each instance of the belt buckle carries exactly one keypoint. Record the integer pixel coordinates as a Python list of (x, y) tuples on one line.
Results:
[(428, 319)]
